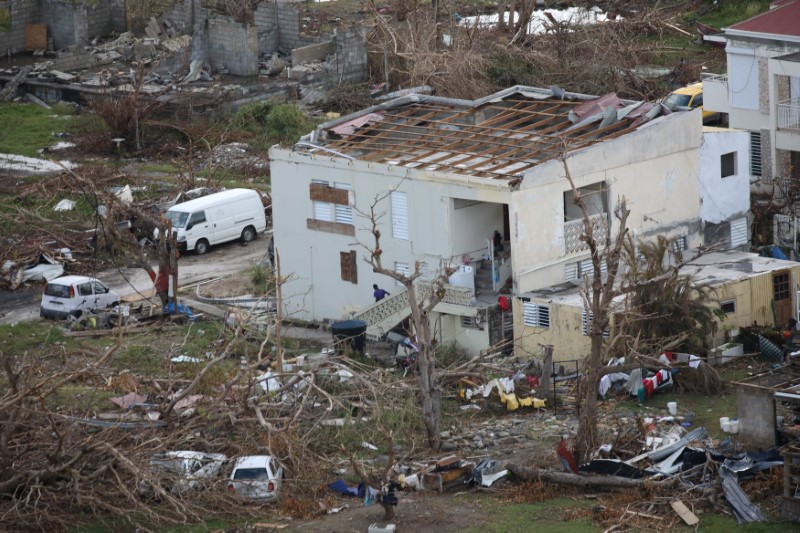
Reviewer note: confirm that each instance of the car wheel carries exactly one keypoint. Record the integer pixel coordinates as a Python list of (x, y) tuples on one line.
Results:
[(201, 247), (248, 234)]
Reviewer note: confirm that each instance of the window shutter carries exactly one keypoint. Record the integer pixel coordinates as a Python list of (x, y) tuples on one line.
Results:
[(323, 211), (571, 271), (755, 153), (399, 215), (536, 315), (344, 213), (743, 80), (738, 232)]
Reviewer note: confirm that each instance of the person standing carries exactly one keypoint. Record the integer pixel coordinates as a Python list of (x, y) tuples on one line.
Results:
[(379, 293)]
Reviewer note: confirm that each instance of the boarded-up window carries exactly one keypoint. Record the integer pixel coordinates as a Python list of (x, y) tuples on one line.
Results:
[(347, 263), (331, 204), (399, 215)]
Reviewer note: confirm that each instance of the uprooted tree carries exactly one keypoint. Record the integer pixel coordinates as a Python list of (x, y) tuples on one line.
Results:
[(643, 285), (421, 300)]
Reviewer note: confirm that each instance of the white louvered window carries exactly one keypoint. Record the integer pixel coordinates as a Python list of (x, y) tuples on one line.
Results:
[(322, 210), (536, 315), (399, 206), (576, 271), (738, 232), (330, 212), (402, 268), (755, 153), (586, 321), (344, 213), (743, 78)]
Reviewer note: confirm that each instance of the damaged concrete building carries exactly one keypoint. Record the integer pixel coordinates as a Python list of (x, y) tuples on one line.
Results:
[(453, 172), (70, 36)]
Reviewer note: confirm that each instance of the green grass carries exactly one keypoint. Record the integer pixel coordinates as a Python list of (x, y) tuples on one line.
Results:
[(139, 359), (523, 517), (162, 168), (733, 11), (26, 128), (30, 335)]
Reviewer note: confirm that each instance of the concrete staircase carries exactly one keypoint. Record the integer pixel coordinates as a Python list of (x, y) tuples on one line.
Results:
[(382, 316)]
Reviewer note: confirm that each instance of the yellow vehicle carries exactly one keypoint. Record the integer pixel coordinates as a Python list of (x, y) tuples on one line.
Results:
[(690, 96)]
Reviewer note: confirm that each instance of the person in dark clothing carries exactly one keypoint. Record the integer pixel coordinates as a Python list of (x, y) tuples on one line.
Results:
[(379, 293), (498, 242)]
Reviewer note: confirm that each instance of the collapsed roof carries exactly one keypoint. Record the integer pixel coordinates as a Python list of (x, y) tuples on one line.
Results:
[(499, 136)]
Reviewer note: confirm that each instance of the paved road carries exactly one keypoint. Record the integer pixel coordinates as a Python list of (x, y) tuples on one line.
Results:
[(221, 261)]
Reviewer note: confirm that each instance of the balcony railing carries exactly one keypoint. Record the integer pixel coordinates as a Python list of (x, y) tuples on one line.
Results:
[(789, 114), (573, 229)]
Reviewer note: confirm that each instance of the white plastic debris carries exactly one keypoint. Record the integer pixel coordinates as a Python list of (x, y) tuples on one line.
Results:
[(65, 205)]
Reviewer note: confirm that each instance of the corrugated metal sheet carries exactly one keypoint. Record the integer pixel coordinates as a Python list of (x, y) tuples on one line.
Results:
[(761, 298), (347, 128)]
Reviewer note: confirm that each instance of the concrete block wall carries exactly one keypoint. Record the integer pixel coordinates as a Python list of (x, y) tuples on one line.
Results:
[(62, 22), (71, 23), (234, 45), (103, 17), (266, 22), (351, 55), (22, 12)]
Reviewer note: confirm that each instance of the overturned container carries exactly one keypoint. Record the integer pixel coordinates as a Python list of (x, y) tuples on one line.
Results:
[(351, 334)]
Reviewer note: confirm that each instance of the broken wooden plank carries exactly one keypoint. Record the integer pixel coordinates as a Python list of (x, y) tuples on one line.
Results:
[(33, 99), (10, 90), (689, 517)]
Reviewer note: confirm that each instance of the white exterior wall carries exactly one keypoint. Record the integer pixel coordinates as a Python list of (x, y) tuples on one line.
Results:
[(655, 168), (475, 223), (315, 290), (750, 119), (721, 198)]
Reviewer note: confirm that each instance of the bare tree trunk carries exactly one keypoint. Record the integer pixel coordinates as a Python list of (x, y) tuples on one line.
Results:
[(563, 478), (431, 401), (546, 383)]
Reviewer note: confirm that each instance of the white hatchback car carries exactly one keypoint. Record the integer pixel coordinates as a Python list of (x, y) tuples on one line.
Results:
[(257, 477), (72, 295)]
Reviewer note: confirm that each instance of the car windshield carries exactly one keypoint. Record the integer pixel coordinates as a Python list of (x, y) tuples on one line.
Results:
[(57, 291), (177, 218), (257, 474), (677, 100)]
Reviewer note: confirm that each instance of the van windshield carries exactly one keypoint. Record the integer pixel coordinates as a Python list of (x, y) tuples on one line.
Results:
[(177, 218)]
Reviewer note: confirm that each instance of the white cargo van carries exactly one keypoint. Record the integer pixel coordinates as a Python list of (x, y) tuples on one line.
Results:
[(217, 218)]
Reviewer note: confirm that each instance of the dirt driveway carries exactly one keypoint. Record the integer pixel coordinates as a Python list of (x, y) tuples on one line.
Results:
[(221, 261)]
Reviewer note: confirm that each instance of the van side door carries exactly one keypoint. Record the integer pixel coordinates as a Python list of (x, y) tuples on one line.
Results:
[(196, 228), (224, 227)]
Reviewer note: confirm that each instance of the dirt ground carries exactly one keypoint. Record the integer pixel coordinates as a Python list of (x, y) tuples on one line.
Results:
[(419, 512)]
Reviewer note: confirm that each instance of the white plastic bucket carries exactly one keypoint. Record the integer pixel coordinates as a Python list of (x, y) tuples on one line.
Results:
[(673, 408), (723, 421), (734, 426), (726, 427)]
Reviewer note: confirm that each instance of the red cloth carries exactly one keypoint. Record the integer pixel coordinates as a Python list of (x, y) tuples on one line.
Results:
[(503, 303), (565, 454), (162, 280)]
